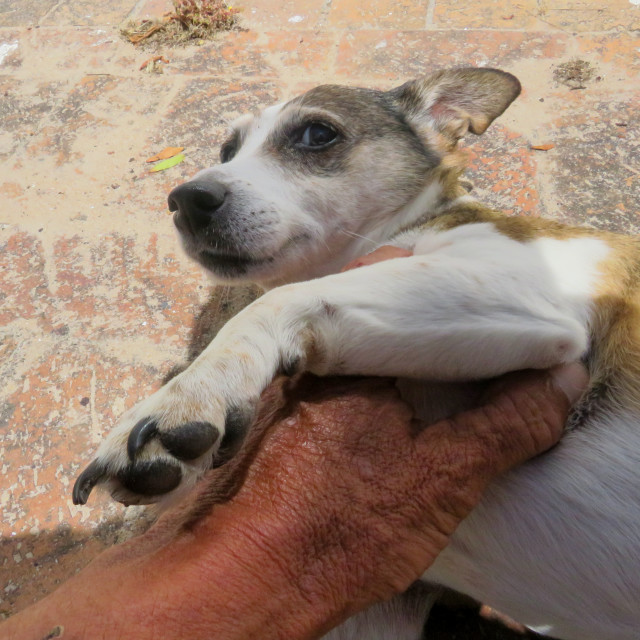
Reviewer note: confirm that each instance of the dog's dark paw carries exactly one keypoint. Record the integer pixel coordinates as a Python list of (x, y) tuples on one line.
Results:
[(144, 460), (163, 445), (157, 461)]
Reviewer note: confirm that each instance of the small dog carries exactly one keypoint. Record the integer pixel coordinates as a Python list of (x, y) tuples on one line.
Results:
[(307, 186)]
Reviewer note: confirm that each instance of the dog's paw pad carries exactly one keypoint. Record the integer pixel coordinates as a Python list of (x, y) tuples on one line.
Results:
[(140, 482), (190, 440), (186, 442), (150, 477)]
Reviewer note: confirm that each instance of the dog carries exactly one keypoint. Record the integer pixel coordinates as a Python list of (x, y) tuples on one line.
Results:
[(305, 187)]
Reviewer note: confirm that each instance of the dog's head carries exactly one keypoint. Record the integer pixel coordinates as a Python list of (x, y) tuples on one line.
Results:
[(305, 186)]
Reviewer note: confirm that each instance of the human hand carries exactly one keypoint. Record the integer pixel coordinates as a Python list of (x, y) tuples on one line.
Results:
[(367, 498)]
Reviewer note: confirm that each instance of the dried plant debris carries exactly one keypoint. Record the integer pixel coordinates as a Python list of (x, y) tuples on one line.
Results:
[(167, 158), (543, 147), (56, 632), (154, 64), (167, 152), (190, 21), (574, 74)]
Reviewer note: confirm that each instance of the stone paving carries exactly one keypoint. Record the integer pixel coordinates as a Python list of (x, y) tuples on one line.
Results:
[(96, 301)]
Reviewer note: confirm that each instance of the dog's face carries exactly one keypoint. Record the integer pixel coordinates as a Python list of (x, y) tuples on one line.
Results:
[(305, 186)]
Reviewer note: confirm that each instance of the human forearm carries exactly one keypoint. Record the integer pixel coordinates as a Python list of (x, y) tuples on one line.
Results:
[(225, 579)]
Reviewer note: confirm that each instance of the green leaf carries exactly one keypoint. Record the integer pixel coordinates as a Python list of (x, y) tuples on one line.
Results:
[(168, 163)]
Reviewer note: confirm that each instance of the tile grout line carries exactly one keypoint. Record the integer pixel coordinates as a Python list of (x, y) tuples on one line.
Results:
[(431, 7), (324, 14), (53, 9), (136, 9)]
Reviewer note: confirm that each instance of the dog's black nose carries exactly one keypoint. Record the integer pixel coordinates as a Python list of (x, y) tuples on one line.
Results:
[(197, 201)]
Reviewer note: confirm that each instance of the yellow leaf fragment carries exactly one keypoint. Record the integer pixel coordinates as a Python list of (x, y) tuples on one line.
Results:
[(153, 63), (167, 152)]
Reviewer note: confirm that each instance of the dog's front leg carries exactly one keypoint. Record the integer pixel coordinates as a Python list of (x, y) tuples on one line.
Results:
[(440, 316)]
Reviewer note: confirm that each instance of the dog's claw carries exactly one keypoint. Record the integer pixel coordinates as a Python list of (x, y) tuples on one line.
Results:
[(151, 477), (190, 440), (88, 479), (141, 433)]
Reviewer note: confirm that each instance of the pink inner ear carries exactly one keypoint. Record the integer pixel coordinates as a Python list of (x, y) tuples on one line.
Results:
[(449, 119), (440, 110)]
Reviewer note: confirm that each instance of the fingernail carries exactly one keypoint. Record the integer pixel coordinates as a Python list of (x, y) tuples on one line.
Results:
[(572, 379)]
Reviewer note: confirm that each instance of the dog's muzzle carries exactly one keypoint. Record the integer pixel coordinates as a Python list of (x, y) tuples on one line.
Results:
[(197, 203), (206, 221)]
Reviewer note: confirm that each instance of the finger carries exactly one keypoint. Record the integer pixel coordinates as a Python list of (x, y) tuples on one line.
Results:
[(572, 379), (524, 416)]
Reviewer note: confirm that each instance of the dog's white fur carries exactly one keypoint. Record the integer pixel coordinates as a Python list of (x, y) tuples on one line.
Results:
[(553, 544)]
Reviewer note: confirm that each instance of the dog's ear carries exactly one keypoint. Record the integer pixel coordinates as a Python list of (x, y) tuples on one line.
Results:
[(455, 101)]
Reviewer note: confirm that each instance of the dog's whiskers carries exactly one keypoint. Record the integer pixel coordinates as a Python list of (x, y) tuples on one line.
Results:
[(353, 234)]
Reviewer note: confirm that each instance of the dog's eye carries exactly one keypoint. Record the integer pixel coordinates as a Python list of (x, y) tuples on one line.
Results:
[(228, 150), (317, 136)]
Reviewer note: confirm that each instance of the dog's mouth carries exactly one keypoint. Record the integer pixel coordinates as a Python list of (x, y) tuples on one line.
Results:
[(228, 263), (231, 264)]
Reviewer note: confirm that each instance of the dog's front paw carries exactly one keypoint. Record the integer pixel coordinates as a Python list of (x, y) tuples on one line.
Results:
[(160, 447)]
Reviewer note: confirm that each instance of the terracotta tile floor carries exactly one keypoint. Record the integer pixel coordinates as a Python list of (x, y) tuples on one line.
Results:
[(96, 301)]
